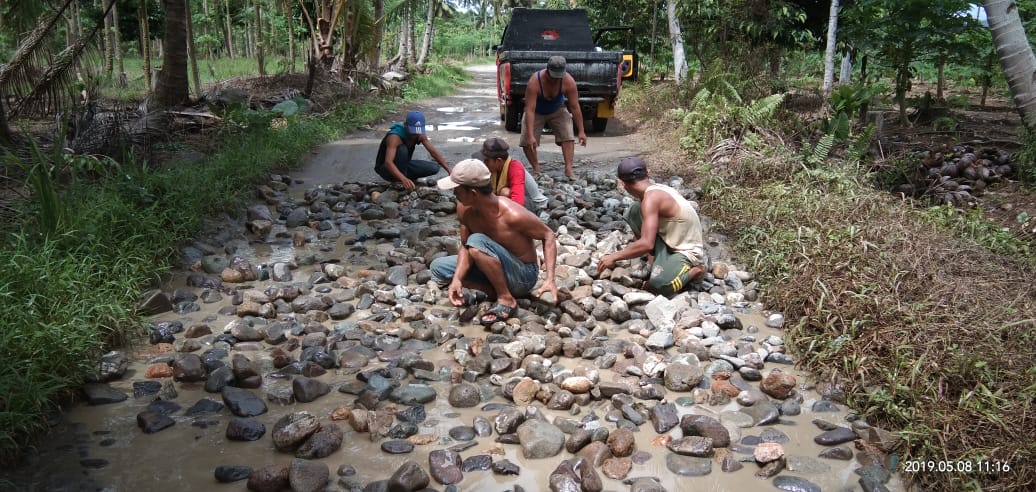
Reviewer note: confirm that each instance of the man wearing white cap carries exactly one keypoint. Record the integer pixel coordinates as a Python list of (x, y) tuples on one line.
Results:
[(666, 228), (498, 255), (546, 97)]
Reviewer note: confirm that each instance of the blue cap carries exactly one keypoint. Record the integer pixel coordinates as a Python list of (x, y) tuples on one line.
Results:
[(415, 123)]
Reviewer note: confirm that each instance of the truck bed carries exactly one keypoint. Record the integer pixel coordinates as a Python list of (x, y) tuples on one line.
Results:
[(595, 72)]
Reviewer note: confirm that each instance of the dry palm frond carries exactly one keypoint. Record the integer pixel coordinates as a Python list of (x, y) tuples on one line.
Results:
[(17, 73), (49, 92)]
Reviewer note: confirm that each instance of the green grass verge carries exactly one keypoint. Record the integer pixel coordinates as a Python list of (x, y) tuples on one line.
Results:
[(926, 317), (70, 284)]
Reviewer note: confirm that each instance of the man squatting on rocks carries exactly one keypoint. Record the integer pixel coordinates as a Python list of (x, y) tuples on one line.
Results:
[(508, 176), (498, 255), (396, 163), (546, 96), (666, 228)]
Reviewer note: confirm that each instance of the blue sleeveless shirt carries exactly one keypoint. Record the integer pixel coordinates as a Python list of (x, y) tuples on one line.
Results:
[(548, 106)]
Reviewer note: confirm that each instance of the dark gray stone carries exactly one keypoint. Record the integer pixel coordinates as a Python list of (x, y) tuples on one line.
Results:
[(245, 430), (242, 402), (232, 473)]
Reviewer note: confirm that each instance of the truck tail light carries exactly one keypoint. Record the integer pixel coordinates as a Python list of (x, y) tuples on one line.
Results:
[(504, 88)]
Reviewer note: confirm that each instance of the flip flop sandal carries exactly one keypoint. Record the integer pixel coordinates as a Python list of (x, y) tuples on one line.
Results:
[(499, 312)]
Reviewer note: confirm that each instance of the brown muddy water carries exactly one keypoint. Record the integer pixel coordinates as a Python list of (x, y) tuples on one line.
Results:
[(101, 447)]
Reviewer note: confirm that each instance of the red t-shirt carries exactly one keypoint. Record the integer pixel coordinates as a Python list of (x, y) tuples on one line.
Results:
[(516, 181)]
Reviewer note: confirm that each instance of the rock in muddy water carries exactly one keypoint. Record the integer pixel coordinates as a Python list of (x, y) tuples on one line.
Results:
[(778, 384), (413, 394), (151, 422), (692, 446), (464, 395), (445, 466), (837, 453), (795, 484), (308, 389), (683, 374), (232, 473), (836, 436), (664, 417), (242, 402), (189, 369), (645, 484), (616, 468), (621, 442), (409, 477), (397, 446), (705, 426), (688, 466), (308, 476), (154, 302), (290, 431), (540, 439), (505, 467), (323, 443), (245, 430), (766, 452), (479, 462), (102, 394), (270, 478)]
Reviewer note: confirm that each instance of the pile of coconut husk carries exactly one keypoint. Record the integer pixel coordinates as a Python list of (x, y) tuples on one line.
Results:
[(956, 175)]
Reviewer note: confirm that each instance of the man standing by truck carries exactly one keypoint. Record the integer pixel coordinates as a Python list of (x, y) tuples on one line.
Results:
[(546, 97)]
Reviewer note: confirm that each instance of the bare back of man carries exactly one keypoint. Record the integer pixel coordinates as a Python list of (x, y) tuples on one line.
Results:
[(507, 224)]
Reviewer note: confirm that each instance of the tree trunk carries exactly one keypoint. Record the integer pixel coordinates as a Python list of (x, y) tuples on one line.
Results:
[(400, 57), (192, 53), (117, 43), (676, 38), (208, 26), (845, 75), (230, 33), (145, 46), (172, 80), (259, 37), (941, 81), (249, 38), (108, 39), (78, 19), (1015, 54), (408, 32), (291, 35), (5, 130), (829, 55), (379, 33), (429, 30)]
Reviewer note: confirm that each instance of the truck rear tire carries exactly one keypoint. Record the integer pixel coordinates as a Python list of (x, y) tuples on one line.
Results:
[(599, 124), (513, 118)]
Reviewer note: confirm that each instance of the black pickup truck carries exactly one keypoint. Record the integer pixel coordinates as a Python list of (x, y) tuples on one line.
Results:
[(533, 36)]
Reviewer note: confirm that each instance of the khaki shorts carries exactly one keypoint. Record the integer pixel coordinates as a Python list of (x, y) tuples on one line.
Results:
[(560, 122)]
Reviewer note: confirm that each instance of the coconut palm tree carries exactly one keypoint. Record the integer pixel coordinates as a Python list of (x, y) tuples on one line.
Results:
[(172, 80), (1015, 53)]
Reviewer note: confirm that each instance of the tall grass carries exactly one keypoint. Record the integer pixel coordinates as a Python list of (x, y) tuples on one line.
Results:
[(924, 317), (69, 286)]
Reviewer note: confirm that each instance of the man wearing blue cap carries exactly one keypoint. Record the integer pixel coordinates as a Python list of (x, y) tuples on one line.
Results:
[(396, 161)]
